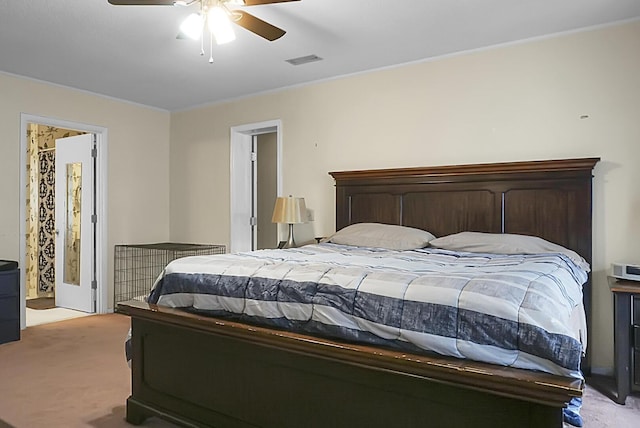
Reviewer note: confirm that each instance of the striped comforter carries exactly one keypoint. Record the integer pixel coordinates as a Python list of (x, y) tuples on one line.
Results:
[(511, 310)]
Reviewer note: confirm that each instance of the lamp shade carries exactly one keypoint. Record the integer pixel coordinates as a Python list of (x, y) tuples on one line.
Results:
[(289, 210), (192, 26), (220, 25)]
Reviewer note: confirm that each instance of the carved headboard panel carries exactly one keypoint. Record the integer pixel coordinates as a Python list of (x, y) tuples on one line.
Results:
[(550, 199)]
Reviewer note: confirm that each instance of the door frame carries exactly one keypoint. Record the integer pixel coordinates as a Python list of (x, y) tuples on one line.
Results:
[(240, 138), (102, 296)]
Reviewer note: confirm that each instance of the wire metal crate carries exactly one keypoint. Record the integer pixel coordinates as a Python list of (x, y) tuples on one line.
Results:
[(136, 267)]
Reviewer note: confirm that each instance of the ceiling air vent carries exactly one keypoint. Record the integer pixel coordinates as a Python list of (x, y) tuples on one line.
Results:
[(304, 60)]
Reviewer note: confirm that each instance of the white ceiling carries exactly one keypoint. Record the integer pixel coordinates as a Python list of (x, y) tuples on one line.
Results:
[(132, 53)]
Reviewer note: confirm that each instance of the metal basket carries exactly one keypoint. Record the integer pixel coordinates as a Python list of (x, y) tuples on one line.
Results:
[(136, 267)]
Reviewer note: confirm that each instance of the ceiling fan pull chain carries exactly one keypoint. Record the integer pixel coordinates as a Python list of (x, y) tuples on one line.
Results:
[(210, 48)]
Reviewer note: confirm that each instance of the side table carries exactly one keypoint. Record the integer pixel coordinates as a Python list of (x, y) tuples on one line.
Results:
[(624, 294)]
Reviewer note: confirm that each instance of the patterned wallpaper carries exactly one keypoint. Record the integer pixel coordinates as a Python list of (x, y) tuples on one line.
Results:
[(46, 222), (31, 257), (40, 209)]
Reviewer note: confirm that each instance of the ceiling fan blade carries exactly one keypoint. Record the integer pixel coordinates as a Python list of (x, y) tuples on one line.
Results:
[(258, 26), (142, 2), (257, 2)]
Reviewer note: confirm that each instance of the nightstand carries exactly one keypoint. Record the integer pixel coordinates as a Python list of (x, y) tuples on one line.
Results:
[(626, 325)]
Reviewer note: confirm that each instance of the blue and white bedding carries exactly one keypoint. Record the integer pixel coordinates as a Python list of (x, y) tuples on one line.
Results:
[(510, 310)]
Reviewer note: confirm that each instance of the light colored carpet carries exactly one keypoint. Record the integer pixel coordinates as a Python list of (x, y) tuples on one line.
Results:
[(598, 411)]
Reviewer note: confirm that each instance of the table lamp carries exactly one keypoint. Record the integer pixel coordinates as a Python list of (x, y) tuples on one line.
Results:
[(291, 211)]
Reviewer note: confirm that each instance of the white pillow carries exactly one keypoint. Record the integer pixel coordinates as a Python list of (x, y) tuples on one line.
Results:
[(378, 235), (504, 243)]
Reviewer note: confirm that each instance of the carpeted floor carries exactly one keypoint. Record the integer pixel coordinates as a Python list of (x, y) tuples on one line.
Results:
[(67, 374), (73, 373), (599, 411)]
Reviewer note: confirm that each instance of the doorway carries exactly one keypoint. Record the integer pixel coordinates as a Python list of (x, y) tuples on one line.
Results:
[(256, 180), (265, 190), (43, 241)]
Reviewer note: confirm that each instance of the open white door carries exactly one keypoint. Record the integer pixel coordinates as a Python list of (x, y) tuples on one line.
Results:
[(243, 221), (75, 229)]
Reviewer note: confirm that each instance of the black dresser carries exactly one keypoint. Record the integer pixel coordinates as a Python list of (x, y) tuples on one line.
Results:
[(626, 339), (9, 301)]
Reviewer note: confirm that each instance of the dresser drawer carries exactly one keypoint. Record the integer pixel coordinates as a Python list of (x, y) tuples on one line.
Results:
[(636, 371), (9, 319), (635, 364), (9, 309), (9, 283), (9, 331)]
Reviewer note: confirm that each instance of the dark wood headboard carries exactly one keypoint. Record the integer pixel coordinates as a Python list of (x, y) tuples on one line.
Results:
[(550, 199)]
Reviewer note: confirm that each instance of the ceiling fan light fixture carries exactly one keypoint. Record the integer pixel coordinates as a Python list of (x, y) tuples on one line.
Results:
[(219, 16), (192, 26), (220, 25)]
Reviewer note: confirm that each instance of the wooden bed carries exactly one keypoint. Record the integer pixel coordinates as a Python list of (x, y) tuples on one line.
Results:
[(259, 377)]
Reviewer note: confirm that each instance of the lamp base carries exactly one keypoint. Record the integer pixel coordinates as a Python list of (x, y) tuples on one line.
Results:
[(291, 243)]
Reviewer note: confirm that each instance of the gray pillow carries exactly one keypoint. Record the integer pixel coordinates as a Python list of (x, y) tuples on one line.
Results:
[(504, 243), (378, 235)]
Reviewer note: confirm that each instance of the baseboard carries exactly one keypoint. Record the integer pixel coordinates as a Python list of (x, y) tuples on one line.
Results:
[(602, 371)]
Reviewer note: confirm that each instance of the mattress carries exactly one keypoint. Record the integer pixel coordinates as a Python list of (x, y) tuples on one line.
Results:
[(519, 311)]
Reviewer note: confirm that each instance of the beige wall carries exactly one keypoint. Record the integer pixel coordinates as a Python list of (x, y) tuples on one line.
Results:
[(138, 161), (513, 103)]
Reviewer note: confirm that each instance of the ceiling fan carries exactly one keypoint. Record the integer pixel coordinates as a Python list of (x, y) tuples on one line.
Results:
[(214, 13)]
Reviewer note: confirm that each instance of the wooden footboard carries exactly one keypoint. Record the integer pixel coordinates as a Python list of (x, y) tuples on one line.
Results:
[(198, 371)]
